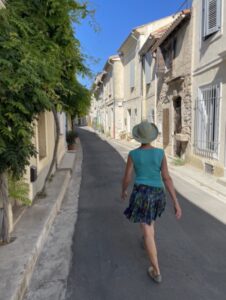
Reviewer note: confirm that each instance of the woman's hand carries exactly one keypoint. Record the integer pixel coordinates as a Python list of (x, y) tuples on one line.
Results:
[(178, 211), (124, 195), (127, 178)]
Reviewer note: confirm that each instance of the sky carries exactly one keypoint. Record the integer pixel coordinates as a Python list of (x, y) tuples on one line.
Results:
[(115, 20)]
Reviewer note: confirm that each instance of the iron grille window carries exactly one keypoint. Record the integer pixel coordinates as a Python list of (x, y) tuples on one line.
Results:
[(207, 121)]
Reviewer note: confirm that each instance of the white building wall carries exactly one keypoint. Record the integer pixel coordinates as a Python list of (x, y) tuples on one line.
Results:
[(209, 65), (135, 105)]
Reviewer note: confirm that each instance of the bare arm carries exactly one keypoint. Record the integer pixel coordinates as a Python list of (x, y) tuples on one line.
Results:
[(170, 187), (127, 177)]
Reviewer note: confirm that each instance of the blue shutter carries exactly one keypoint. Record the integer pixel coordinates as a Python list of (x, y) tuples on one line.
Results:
[(132, 73), (212, 16)]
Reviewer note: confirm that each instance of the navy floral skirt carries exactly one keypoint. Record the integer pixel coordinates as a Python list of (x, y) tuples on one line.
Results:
[(146, 204)]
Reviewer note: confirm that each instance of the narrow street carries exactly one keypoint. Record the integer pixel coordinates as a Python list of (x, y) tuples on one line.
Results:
[(108, 261)]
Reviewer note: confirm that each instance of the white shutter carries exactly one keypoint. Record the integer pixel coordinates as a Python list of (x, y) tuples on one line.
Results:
[(212, 16), (148, 67), (132, 73)]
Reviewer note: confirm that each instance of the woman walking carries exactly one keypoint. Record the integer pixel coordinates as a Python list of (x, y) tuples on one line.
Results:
[(148, 198)]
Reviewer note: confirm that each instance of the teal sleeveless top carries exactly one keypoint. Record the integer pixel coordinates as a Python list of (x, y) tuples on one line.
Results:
[(147, 166)]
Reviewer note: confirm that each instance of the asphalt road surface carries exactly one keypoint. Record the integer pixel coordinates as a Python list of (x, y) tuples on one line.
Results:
[(108, 260)]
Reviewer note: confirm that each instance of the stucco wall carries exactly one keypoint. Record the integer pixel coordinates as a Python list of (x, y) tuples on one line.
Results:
[(118, 80), (43, 164), (207, 51), (209, 65)]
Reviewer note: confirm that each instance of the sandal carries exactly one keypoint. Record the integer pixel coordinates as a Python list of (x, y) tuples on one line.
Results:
[(155, 277)]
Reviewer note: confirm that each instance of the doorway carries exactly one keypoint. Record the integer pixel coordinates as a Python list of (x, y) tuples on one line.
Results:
[(177, 126)]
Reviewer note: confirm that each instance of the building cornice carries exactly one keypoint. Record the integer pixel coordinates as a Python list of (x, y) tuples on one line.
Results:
[(111, 60), (213, 63)]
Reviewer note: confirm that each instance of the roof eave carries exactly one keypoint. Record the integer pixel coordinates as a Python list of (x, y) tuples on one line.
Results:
[(174, 25), (147, 45), (135, 33), (110, 60)]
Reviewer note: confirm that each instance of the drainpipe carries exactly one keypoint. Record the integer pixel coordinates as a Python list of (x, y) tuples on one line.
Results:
[(225, 155), (113, 96), (104, 106), (142, 84), (156, 89), (141, 96)]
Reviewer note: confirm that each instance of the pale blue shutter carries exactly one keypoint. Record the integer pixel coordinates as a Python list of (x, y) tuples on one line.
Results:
[(212, 16), (148, 67), (132, 73)]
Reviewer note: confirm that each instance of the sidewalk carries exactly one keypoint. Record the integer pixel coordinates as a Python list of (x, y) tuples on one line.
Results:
[(17, 260)]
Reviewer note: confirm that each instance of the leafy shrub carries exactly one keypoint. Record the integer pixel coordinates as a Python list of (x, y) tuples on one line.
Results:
[(19, 191), (71, 135)]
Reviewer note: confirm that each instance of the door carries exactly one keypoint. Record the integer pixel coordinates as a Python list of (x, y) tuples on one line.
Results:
[(177, 125), (165, 125)]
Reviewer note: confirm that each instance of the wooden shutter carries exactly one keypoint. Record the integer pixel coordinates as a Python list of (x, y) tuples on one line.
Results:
[(148, 67), (165, 127), (212, 16), (161, 67)]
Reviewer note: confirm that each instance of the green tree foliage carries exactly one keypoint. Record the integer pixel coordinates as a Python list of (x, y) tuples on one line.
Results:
[(39, 59), (19, 191)]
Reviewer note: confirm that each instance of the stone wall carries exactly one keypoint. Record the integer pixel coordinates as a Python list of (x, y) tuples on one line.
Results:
[(175, 84)]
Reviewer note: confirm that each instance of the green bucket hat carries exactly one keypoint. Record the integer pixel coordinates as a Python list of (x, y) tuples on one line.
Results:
[(145, 132)]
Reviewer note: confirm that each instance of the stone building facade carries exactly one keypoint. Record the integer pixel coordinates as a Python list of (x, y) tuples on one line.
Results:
[(108, 94), (173, 87), (133, 110)]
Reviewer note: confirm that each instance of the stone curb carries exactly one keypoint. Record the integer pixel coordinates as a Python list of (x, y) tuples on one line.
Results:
[(208, 187), (41, 240), (15, 286)]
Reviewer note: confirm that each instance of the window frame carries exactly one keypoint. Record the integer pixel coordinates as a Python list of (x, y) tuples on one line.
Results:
[(206, 31), (208, 145)]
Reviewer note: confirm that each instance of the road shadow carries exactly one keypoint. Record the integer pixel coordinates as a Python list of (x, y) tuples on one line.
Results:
[(108, 259)]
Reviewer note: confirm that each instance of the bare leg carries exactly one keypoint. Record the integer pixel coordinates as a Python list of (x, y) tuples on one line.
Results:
[(149, 239)]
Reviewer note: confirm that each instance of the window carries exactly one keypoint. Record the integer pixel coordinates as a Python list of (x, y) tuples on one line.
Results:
[(132, 74), (148, 86), (174, 48), (211, 17), (167, 56), (207, 121), (151, 116), (110, 83)]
